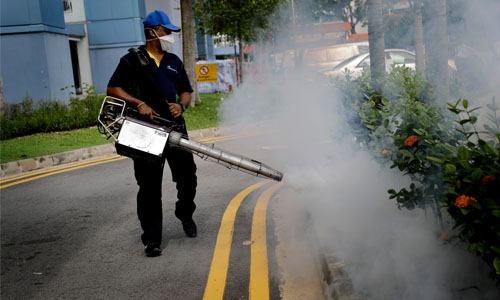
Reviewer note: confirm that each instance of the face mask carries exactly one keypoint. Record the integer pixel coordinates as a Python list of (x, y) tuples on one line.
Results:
[(166, 41)]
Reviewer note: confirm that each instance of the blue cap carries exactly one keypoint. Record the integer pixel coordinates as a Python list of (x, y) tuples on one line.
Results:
[(159, 18)]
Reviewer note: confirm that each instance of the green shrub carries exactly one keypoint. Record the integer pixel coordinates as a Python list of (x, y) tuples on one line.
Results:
[(472, 182), (453, 166), (30, 117)]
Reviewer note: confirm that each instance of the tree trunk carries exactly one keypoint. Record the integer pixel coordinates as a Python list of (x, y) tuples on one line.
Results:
[(188, 46), (419, 38), (240, 45), (436, 45), (376, 41), (236, 63), (351, 19)]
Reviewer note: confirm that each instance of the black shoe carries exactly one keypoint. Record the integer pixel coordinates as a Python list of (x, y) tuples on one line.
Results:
[(190, 228), (152, 250)]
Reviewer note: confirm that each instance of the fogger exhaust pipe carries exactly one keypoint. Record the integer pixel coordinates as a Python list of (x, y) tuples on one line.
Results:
[(230, 160)]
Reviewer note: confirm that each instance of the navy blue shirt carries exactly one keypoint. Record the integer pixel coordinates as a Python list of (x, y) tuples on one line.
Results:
[(157, 86)]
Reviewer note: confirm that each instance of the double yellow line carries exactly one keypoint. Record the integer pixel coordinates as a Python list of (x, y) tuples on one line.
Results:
[(259, 271), (5, 183)]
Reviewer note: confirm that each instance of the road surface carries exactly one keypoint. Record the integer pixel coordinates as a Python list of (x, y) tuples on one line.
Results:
[(73, 234)]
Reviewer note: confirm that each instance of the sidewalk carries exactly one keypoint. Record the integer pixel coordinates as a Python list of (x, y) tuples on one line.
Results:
[(336, 284)]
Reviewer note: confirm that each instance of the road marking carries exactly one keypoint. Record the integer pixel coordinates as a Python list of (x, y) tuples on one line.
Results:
[(259, 269), (209, 140), (216, 282), (5, 183)]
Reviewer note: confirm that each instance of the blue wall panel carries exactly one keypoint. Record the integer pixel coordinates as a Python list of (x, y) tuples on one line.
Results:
[(35, 57), (59, 65), (29, 12), (110, 32), (113, 26), (114, 9), (104, 62), (37, 69)]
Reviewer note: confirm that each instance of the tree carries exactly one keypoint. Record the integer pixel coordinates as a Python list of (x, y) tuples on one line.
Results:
[(436, 45), (319, 11), (354, 12), (240, 20), (188, 46), (419, 38), (376, 41)]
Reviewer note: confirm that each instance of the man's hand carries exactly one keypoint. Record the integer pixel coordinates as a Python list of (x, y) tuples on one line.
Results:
[(175, 109), (146, 111)]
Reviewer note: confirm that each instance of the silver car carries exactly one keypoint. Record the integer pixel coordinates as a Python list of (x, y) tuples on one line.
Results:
[(355, 65)]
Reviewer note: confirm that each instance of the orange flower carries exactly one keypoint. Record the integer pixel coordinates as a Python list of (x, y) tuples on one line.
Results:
[(486, 179), (444, 236), (385, 151), (411, 140), (463, 201)]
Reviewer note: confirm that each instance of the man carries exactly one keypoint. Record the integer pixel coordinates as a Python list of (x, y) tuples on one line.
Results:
[(154, 82)]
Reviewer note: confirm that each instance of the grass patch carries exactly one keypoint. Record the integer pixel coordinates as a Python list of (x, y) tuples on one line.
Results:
[(203, 115), (42, 144)]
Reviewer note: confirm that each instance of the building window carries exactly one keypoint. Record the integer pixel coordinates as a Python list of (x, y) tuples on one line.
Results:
[(67, 6)]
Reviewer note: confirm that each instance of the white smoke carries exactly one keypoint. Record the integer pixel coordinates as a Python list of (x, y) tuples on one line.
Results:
[(388, 253)]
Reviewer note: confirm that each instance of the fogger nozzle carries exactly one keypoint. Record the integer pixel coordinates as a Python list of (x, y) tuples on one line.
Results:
[(228, 159)]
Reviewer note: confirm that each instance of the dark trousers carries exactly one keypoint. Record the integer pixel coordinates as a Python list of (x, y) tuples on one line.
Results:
[(149, 176)]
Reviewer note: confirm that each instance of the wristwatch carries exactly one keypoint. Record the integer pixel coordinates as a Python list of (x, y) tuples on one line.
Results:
[(183, 107)]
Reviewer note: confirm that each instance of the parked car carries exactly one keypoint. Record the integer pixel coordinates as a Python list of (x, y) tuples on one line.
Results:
[(355, 65), (359, 63)]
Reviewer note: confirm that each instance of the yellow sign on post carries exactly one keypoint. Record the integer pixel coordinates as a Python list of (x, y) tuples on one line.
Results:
[(206, 73)]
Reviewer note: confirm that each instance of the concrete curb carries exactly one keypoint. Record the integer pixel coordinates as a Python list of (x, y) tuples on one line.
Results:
[(337, 283), (15, 168)]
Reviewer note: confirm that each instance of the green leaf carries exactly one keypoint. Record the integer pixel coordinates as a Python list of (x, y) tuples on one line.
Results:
[(464, 164), (476, 175), (475, 204), (474, 109), (496, 213), (463, 153), (436, 159), (419, 132), (406, 153), (464, 211), (496, 265), (472, 248), (495, 249), (491, 149), (450, 168), (465, 103)]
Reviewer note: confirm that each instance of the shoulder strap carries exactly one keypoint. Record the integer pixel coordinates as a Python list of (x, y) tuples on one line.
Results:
[(142, 62)]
